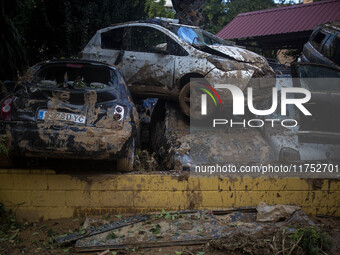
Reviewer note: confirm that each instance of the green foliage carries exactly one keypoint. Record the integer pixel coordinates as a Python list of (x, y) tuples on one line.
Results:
[(3, 146), (9, 228), (157, 9), (13, 15), (35, 30), (312, 240), (168, 215), (156, 229), (111, 236), (219, 13), (65, 26), (215, 15), (234, 7)]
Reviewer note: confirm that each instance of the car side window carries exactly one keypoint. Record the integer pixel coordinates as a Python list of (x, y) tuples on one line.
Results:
[(174, 48), (317, 39), (112, 39), (209, 40), (335, 52), (327, 47), (144, 39)]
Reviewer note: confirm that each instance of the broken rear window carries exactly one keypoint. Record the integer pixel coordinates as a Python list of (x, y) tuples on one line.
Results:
[(317, 40), (74, 75)]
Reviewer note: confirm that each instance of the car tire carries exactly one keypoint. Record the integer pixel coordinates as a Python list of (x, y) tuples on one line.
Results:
[(195, 112), (184, 99), (125, 164)]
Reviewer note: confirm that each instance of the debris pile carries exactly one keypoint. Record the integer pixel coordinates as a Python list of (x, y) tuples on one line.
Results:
[(263, 230)]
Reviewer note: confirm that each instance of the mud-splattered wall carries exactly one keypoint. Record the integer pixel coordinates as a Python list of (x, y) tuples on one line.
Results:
[(36, 194)]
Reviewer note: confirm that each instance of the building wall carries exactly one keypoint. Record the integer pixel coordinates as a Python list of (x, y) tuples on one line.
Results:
[(35, 194)]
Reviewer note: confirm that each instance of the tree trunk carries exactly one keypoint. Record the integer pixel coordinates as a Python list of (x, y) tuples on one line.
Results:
[(189, 12)]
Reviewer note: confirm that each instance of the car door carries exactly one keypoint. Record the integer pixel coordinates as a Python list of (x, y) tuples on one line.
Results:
[(324, 84), (148, 70), (112, 46)]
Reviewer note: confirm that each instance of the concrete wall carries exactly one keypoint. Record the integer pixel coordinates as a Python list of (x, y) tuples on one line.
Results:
[(44, 194)]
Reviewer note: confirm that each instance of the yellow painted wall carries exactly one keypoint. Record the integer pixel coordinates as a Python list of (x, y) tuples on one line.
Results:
[(43, 194)]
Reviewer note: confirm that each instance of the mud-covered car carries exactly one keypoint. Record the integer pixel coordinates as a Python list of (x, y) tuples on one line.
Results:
[(158, 59), (71, 109), (323, 46), (317, 136)]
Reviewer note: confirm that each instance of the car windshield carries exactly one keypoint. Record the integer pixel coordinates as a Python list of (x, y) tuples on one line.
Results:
[(74, 75), (197, 36)]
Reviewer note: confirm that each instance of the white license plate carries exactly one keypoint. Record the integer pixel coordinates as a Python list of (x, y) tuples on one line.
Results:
[(64, 116)]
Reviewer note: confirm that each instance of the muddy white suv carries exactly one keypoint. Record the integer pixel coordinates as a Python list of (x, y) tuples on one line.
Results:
[(159, 58)]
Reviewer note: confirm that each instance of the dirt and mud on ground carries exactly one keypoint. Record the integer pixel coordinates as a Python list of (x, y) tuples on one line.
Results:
[(262, 230)]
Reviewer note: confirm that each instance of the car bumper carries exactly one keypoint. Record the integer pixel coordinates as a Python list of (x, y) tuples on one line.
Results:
[(41, 140)]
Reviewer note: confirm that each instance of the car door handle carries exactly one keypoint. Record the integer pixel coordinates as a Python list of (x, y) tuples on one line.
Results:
[(131, 58)]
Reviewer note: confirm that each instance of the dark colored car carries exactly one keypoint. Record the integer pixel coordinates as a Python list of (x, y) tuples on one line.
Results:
[(323, 82), (323, 46), (71, 109), (316, 137)]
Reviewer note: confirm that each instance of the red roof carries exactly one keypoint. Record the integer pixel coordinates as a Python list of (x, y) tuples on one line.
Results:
[(281, 20)]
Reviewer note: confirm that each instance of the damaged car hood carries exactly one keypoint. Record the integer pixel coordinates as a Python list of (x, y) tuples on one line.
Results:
[(238, 54)]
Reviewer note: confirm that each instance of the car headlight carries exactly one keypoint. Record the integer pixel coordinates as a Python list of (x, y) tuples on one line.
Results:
[(118, 113)]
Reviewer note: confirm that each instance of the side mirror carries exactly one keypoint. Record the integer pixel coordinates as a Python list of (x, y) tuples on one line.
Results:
[(162, 48)]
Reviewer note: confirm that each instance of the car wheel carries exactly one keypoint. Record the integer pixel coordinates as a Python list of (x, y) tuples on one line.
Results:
[(184, 99), (125, 164), (193, 111)]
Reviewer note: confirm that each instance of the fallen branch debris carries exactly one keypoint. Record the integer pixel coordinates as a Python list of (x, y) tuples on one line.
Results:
[(101, 229), (233, 230)]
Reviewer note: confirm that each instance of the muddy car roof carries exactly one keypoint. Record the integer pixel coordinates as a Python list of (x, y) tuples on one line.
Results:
[(335, 26), (72, 60), (159, 22)]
